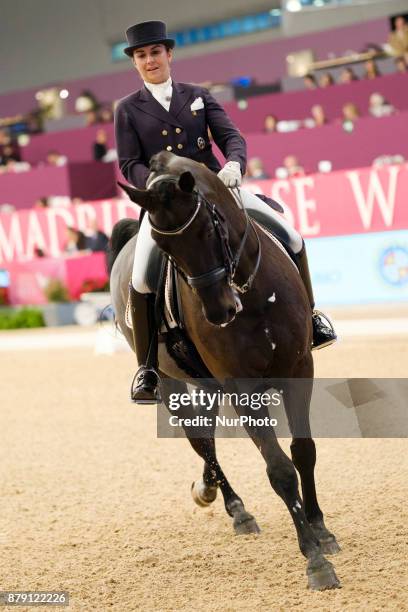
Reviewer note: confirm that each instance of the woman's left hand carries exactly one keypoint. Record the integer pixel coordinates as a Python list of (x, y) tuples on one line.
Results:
[(231, 174)]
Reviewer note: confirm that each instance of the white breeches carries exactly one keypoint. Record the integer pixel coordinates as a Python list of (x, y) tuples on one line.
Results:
[(145, 243)]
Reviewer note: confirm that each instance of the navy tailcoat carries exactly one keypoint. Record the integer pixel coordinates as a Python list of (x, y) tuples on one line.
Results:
[(143, 128)]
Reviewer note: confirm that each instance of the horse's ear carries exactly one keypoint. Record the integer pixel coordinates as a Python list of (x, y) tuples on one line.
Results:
[(186, 182), (143, 197)]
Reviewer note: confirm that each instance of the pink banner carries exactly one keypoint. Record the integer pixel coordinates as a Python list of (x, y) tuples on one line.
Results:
[(340, 203), (22, 232), (29, 279), (344, 202)]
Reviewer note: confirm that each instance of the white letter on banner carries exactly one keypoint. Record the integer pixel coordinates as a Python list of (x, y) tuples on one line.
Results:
[(84, 214), (107, 223), (277, 186), (35, 236), (304, 206), (123, 209), (11, 246), (365, 205), (55, 245)]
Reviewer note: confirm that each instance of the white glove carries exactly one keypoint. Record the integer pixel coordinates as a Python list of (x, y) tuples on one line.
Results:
[(231, 174)]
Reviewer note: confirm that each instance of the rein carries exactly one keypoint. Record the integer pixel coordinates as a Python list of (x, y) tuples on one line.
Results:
[(231, 262)]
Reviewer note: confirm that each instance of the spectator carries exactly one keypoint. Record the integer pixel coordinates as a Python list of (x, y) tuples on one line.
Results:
[(96, 240), (270, 124), (350, 115), (318, 115), (309, 81), (8, 154), (292, 166), (106, 115), (398, 39), (41, 203), (401, 64), (347, 75), (379, 107), (256, 170), (56, 159), (326, 80), (371, 70), (99, 146), (76, 241)]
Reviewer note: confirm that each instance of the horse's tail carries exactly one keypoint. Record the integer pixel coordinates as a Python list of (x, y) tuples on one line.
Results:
[(122, 232)]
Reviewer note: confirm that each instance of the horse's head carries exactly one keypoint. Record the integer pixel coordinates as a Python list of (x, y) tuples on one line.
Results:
[(189, 228)]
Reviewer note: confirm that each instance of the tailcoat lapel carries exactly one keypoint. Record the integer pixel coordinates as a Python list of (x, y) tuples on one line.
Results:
[(179, 99), (147, 104)]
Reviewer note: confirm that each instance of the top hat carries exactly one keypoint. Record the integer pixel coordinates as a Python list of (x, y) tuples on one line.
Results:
[(147, 33)]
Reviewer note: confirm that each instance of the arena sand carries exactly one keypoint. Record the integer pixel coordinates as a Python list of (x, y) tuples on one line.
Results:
[(93, 503)]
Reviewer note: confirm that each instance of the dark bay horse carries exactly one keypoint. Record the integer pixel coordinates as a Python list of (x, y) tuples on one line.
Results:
[(263, 333)]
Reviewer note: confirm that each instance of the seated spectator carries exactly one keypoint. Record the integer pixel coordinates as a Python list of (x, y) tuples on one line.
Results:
[(256, 170), (56, 159), (95, 239), (99, 146), (105, 115), (401, 64), (379, 107), (76, 241), (371, 70), (350, 115), (270, 124), (318, 116), (326, 80), (398, 39), (292, 166), (309, 81), (41, 203), (9, 153), (347, 75)]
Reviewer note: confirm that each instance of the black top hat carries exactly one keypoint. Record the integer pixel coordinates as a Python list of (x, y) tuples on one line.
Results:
[(147, 33)]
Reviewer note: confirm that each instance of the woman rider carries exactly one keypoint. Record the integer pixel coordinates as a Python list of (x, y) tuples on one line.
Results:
[(174, 116)]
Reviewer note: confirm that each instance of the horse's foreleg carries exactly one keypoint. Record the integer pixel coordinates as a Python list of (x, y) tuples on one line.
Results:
[(204, 491)]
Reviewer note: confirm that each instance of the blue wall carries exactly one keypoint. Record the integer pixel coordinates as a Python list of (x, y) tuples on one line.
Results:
[(360, 269)]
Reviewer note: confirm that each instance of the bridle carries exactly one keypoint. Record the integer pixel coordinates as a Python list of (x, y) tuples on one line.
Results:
[(230, 262)]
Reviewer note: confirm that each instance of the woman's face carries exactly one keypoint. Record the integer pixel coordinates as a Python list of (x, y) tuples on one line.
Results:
[(153, 63)]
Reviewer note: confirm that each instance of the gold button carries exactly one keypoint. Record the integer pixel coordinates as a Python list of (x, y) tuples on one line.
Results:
[(178, 130), (164, 132), (194, 113), (179, 146), (169, 148)]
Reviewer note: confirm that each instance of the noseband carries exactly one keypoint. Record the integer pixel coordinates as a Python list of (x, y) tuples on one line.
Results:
[(230, 261)]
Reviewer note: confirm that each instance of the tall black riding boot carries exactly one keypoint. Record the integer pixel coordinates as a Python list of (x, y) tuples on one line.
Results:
[(323, 332), (144, 388)]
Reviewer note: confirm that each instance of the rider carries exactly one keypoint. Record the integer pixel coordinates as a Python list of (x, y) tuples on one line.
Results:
[(174, 116)]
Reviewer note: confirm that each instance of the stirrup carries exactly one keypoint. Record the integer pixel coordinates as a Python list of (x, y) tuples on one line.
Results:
[(146, 390), (332, 336)]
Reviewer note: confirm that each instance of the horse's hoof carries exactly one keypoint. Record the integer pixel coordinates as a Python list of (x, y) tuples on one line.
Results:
[(202, 494), (321, 576), (329, 546), (245, 524)]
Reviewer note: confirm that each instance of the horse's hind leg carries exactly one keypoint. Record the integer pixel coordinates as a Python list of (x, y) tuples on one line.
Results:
[(297, 396), (204, 491)]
